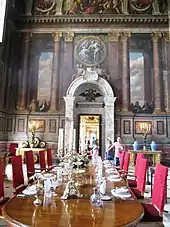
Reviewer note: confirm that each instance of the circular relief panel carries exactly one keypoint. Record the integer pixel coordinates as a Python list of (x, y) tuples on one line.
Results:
[(90, 51)]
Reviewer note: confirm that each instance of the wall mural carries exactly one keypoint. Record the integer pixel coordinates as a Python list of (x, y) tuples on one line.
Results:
[(90, 51), (76, 7)]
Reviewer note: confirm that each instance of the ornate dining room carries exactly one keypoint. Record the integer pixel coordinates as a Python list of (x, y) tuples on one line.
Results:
[(84, 113)]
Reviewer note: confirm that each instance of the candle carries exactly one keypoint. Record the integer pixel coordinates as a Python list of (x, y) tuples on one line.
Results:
[(60, 139), (74, 139)]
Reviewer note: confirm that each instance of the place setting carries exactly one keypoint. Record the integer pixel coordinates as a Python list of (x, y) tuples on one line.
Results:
[(121, 193)]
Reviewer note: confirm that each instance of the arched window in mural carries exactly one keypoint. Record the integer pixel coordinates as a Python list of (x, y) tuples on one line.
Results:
[(137, 87), (44, 76)]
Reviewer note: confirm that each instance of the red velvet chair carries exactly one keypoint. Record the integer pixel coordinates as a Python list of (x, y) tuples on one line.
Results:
[(126, 162), (153, 212), (122, 157), (29, 161), (133, 182), (3, 199), (17, 173), (42, 160), (49, 158), (141, 179), (12, 149)]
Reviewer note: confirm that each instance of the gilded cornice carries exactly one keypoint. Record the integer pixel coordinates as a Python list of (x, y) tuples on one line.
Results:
[(117, 19)]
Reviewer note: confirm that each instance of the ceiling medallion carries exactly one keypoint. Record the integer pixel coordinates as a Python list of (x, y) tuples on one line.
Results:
[(90, 51), (141, 5), (45, 6)]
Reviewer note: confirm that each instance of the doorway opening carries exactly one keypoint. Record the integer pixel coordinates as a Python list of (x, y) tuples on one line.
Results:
[(89, 132)]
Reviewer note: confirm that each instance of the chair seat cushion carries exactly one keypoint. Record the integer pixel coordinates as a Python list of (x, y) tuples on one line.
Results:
[(132, 183), (137, 193), (151, 214)]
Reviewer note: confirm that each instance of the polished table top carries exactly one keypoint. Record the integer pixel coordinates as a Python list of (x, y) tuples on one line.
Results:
[(145, 152), (74, 212)]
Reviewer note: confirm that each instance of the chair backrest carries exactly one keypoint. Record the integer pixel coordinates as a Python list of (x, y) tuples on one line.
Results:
[(12, 148), (137, 165), (42, 160), (1, 181), (17, 171), (29, 160), (122, 157), (159, 187), (49, 157), (126, 161), (141, 177)]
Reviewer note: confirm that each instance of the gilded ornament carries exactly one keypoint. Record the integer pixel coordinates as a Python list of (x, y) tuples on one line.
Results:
[(69, 36), (57, 36), (27, 37), (113, 36), (156, 36), (166, 36), (125, 35)]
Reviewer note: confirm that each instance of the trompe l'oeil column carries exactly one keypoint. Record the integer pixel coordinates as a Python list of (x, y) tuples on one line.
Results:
[(55, 72), (125, 72), (156, 71), (23, 91)]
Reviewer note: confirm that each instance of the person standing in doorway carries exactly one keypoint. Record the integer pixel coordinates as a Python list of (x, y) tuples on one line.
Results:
[(118, 148)]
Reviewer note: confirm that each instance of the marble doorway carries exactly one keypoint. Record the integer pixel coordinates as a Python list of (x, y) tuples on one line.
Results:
[(75, 105)]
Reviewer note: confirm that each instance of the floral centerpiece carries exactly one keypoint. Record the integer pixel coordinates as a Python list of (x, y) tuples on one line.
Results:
[(79, 161)]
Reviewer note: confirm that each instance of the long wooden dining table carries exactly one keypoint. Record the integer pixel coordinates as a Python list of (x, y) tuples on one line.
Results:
[(75, 212)]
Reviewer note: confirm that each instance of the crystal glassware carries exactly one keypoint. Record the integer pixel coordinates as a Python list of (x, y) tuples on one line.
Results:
[(95, 199)]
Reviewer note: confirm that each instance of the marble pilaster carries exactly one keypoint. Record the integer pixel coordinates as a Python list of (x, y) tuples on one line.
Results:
[(125, 72), (55, 72), (109, 119), (156, 72), (26, 40), (69, 120)]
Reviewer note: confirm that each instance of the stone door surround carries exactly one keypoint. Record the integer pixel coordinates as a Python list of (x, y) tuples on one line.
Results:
[(109, 101)]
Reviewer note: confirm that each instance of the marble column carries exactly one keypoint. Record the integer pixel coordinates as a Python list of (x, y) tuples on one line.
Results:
[(55, 72), (69, 120), (28, 7), (109, 119), (125, 72), (156, 72), (167, 77), (26, 47)]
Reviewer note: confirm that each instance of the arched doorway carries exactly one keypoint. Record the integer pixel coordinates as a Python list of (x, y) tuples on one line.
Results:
[(107, 114)]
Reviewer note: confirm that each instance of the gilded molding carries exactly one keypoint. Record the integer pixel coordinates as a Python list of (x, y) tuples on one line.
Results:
[(113, 36), (125, 35), (68, 36), (57, 36), (156, 36), (166, 36)]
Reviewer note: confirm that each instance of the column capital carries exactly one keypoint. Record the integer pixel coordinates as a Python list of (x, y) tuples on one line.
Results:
[(68, 36), (166, 36), (125, 35), (27, 37), (113, 36), (156, 36), (57, 36)]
